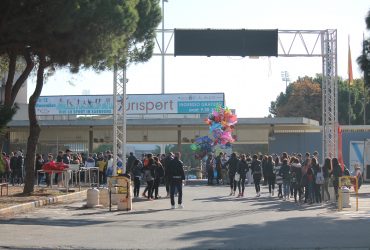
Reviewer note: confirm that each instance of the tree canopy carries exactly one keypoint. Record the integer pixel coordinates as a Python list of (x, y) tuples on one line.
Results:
[(303, 98), (364, 59), (81, 33)]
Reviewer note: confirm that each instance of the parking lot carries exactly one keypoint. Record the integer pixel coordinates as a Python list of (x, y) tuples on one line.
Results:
[(210, 220)]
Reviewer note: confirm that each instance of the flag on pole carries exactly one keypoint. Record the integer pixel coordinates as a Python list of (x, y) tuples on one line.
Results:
[(350, 73), (340, 148)]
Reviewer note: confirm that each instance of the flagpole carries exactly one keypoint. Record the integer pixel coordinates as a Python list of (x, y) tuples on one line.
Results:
[(363, 53), (349, 83)]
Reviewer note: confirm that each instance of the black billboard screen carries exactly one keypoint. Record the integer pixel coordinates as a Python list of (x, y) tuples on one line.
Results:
[(207, 42)]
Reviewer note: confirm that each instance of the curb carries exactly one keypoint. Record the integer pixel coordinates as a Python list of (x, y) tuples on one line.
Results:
[(11, 211)]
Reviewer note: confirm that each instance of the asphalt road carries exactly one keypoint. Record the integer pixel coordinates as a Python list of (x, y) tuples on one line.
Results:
[(210, 220)]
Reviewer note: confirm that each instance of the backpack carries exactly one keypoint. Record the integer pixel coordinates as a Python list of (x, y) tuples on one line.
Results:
[(148, 175), (359, 181), (320, 178), (159, 171), (257, 168), (346, 172)]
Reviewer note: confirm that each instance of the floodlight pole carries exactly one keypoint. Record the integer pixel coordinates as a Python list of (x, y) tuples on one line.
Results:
[(285, 77), (162, 49)]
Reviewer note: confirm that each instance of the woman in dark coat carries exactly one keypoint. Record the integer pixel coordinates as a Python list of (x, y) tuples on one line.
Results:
[(337, 172), (326, 169), (257, 174), (232, 165), (242, 170), (269, 173)]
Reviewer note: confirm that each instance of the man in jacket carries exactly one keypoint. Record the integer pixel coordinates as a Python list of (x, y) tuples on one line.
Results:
[(130, 162), (232, 165), (166, 164), (176, 176)]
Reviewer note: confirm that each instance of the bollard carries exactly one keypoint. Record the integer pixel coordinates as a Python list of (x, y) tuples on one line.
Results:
[(92, 197)]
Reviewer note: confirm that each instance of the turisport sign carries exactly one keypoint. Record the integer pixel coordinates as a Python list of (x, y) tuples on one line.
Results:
[(192, 103)]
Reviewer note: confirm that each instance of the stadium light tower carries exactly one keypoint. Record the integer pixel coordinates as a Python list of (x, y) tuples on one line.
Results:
[(162, 49), (285, 78)]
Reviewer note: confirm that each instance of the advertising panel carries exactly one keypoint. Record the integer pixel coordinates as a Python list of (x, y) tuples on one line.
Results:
[(191, 103)]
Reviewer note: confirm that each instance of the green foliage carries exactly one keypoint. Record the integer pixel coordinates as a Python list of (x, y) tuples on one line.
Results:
[(103, 148), (302, 99), (2, 165), (84, 33), (187, 154), (364, 60), (3, 65), (80, 33), (6, 115)]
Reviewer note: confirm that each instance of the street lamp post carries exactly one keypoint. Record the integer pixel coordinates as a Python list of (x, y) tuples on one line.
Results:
[(285, 78)]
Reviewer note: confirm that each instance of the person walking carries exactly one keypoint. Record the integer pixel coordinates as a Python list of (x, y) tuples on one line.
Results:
[(158, 174), (210, 167), (130, 162), (218, 163), (242, 170), (269, 173), (337, 172), (101, 163), (38, 166), (310, 184), (137, 172), (16, 172), (149, 177), (166, 161), (225, 178), (257, 174), (326, 169), (232, 165), (304, 183), (264, 173), (296, 176), (318, 181), (176, 175), (278, 178), (285, 173)]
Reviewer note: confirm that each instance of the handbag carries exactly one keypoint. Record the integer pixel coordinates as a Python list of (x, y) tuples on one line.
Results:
[(304, 180), (320, 178), (237, 177)]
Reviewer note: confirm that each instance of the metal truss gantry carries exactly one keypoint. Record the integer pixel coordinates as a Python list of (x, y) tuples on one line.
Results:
[(292, 43), (119, 116), (319, 43)]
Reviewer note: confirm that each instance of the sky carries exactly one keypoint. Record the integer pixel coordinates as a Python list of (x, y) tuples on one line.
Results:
[(249, 84)]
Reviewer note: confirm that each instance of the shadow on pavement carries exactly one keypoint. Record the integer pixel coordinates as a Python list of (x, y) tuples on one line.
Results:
[(297, 233)]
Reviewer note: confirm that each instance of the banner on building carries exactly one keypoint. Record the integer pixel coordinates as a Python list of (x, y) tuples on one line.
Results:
[(191, 103)]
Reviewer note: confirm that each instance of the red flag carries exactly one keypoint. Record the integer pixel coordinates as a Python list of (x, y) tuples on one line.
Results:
[(340, 155), (350, 73)]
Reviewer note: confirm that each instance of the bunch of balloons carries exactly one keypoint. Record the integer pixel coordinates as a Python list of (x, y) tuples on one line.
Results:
[(221, 124), (201, 146)]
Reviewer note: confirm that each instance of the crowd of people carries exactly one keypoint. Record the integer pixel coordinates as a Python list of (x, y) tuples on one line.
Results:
[(153, 170), (150, 169), (13, 167), (299, 177)]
